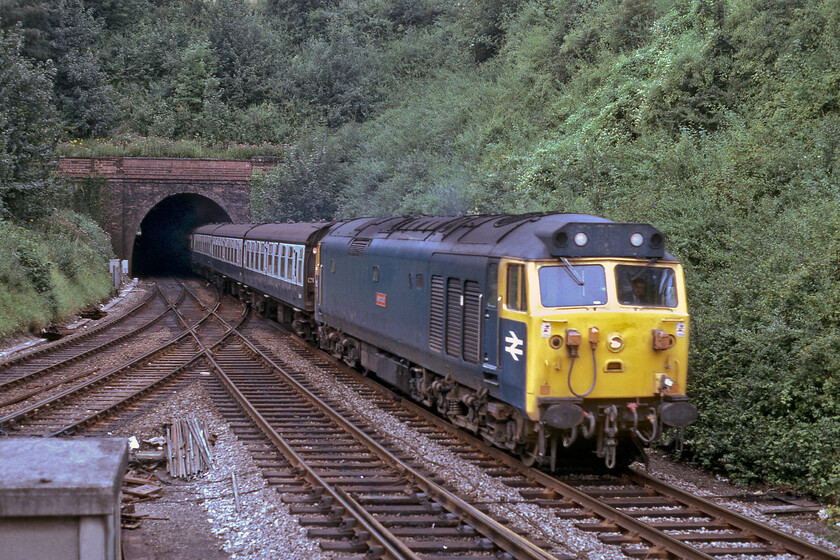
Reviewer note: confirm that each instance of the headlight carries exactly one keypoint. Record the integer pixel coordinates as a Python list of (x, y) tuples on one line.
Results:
[(581, 239), (637, 239), (615, 342), (664, 383)]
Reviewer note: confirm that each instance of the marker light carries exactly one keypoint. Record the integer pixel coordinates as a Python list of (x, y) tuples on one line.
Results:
[(615, 342), (581, 239), (637, 239)]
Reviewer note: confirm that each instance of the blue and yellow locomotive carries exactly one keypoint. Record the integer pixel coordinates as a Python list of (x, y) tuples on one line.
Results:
[(537, 332)]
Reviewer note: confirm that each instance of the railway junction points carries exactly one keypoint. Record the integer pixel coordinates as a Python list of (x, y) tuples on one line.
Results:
[(252, 504)]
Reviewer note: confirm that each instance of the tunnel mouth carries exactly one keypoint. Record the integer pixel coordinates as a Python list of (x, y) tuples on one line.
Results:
[(161, 245)]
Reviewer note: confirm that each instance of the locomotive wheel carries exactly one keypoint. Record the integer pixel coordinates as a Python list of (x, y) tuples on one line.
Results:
[(528, 455)]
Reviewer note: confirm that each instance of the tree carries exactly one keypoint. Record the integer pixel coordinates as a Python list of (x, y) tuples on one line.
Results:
[(82, 93), (119, 13), (484, 24), (28, 132), (302, 187), (247, 66), (33, 18)]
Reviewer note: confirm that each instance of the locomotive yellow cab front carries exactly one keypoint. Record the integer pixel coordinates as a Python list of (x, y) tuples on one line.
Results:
[(607, 342)]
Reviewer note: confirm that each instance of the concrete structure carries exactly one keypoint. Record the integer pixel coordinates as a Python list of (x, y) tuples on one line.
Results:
[(60, 498), (132, 187)]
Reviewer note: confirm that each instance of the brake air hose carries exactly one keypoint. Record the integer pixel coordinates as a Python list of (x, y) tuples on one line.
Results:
[(594, 377)]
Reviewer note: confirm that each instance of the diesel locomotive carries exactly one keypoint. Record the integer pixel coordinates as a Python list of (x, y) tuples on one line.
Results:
[(545, 334)]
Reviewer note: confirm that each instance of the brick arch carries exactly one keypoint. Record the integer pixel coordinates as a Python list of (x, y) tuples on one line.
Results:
[(133, 186)]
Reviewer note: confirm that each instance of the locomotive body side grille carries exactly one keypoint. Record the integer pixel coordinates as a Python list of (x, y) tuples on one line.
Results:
[(472, 322), (356, 247), (436, 314), (454, 316)]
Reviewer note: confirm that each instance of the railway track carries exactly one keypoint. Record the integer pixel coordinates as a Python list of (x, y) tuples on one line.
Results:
[(28, 380), (355, 493), (31, 365), (359, 492), (68, 402), (644, 517)]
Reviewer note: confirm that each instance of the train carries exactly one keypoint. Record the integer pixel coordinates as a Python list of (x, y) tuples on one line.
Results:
[(548, 335)]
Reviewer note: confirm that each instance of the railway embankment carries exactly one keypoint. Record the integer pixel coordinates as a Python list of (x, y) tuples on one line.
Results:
[(50, 269)]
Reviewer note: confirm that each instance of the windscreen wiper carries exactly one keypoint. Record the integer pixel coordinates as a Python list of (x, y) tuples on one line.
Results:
[(572, 272)]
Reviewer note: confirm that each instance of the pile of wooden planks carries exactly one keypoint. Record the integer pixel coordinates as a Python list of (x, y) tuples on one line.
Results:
[(187, 448)]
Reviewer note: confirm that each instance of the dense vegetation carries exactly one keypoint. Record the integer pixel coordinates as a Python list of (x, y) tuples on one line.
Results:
[(52, 261), (51, 269), (716, 120)]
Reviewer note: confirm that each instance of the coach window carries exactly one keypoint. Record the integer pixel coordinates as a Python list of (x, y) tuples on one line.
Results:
[(516, 294), (283, 262)]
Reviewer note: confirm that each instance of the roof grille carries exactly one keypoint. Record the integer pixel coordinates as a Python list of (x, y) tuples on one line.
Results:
[(356, 248)]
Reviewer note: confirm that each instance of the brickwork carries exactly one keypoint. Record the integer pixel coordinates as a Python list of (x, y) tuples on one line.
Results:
[(135, 185)]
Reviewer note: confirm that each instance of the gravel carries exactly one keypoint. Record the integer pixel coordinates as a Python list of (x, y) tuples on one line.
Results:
[(205, 507)]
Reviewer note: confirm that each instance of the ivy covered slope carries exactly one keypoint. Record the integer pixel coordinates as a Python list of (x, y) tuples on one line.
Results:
[(52, 261), (716, 120)]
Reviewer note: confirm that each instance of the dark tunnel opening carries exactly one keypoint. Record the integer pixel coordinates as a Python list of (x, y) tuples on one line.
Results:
[(162, 246)]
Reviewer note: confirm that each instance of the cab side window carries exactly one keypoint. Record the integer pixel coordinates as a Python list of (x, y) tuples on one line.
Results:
[(516, 297)]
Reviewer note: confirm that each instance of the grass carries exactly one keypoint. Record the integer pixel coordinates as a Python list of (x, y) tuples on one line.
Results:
[(50, 270), (134, 145)]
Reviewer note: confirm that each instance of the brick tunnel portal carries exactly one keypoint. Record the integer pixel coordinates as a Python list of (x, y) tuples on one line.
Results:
[(161, 244)]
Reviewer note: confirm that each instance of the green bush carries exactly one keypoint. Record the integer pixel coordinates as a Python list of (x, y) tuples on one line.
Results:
[(51, 270)]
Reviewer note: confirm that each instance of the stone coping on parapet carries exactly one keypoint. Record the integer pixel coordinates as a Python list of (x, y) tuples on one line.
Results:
[(61, 477)]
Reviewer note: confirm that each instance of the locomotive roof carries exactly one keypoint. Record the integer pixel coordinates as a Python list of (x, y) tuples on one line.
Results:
[(531, 236)]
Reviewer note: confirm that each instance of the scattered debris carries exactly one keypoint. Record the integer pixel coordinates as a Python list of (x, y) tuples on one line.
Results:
[(776, 503), (52, 332), (235, 490), (136, 489), (150, 456)]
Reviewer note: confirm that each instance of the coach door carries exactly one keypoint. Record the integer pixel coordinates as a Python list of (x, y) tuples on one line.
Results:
[(490, 325)]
